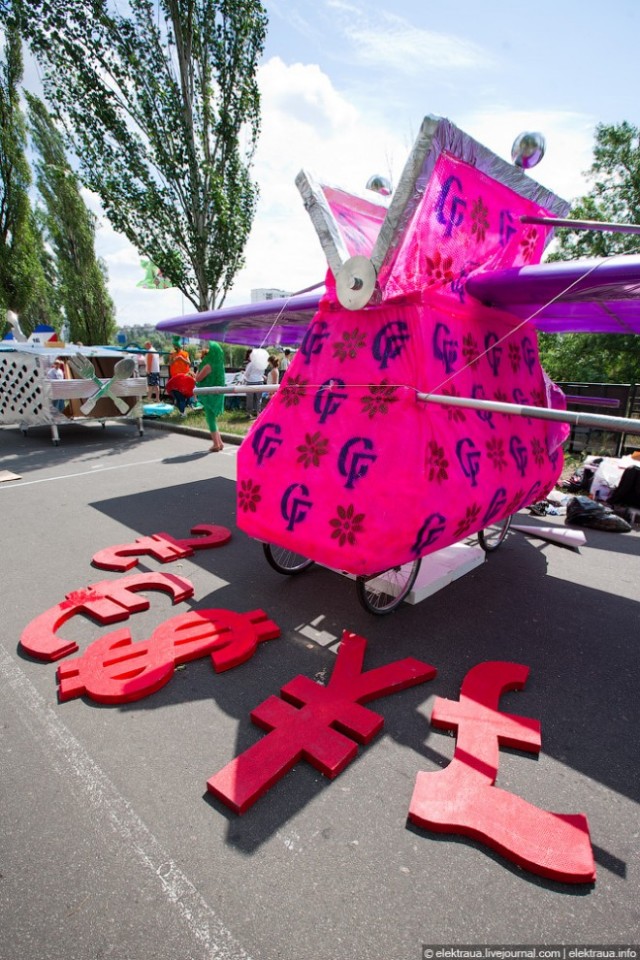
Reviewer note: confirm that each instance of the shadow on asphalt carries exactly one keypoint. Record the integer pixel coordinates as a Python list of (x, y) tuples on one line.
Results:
[(35, 451), (575, 639)]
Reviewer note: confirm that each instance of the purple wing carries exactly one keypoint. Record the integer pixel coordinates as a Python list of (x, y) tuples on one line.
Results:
[(577, 296), (280, 322)]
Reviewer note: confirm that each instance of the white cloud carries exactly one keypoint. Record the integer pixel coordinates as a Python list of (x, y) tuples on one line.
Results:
[(569, 143), (393, 43), (308, 123)]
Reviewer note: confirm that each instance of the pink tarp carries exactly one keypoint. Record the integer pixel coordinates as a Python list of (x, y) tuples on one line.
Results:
[(348, 467), (358, 219), (465, 224)]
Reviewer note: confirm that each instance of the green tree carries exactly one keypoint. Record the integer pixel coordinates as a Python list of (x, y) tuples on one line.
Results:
[(24, 287), (614, 198), (70, 229), (163, 110)]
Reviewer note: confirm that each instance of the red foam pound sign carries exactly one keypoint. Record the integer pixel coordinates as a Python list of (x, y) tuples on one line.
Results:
[(161, 546), (462, 799), (114, 669), (315, 723), (107, 602)]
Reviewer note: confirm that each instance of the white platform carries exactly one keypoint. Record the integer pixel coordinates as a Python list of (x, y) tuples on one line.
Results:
[(439, 569)]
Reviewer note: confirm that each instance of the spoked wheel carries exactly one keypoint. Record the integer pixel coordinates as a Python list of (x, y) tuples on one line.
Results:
[(492, 536), (284, 560), (385, 591)]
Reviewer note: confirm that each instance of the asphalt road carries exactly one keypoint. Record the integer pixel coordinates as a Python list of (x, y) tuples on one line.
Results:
[(111, 846)]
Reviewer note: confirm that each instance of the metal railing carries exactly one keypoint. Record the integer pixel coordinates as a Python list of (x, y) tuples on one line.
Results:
[(611, 399)]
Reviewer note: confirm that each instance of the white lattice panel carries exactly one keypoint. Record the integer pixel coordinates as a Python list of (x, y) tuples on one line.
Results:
[(24, 398), (82, 389), (26, 394)]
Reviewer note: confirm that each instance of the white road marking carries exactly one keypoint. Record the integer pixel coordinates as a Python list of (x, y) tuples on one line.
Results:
[(83, 473), (202, 922), (97, 469)]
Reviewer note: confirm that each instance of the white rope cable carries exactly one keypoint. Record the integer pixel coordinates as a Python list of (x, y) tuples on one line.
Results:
[(510, 333), (241, 388), (284, 307)]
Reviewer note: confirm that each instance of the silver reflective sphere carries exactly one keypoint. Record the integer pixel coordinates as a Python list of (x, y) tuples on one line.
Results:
[(380, 185), (528, 149)]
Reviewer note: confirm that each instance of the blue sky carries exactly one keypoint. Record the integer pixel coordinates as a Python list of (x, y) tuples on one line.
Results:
[(345, 86)]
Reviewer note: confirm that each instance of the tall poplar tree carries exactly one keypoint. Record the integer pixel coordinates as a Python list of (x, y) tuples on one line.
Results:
[(24, 287), (162, 108), (614, 197), (70, 229)]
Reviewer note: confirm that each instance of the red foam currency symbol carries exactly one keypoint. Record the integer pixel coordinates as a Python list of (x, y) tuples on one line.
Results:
[(161, 546), (107, 602), (316, 724), (114, 669), (462, 799)]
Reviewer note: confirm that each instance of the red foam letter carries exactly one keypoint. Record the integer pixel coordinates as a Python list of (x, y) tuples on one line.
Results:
[(315, 722), (113, 669), (160, 546), (462, 798), (107, 602)]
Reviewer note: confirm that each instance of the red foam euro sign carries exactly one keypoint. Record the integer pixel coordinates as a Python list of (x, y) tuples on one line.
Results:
[(462, 799), (114, 669), (161, 546), (315, 723), (107, 602)]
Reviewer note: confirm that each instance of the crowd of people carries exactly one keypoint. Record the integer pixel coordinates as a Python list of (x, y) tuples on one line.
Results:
[(259, 369)]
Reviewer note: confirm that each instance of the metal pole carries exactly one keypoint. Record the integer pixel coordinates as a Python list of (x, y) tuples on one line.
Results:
[(584, 224), (238, 388), (592, 420)]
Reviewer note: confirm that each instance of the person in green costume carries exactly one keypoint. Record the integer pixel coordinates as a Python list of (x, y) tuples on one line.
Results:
[(211, 374)]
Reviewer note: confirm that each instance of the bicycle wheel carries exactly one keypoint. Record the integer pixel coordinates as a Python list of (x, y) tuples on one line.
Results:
[(385, 591), (492, 536), (284, 560)]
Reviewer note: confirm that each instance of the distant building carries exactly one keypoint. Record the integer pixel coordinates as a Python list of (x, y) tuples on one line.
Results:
[(267, 293)]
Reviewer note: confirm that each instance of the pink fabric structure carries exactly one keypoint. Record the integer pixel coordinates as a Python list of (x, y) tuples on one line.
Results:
[(466, 223), (347, 465), (359, 220)]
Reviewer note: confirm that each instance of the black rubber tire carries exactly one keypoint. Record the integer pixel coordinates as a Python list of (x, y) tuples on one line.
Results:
[(286, 561), (493, 536), (379, 603)]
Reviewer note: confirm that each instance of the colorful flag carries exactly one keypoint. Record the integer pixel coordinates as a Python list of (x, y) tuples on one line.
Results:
[(153, 277)]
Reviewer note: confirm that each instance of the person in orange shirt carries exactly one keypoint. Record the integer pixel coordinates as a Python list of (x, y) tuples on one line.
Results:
[(178, 359), (179, 369)]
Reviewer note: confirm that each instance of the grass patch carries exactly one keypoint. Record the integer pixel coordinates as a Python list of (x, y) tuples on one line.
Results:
[(231, 421)]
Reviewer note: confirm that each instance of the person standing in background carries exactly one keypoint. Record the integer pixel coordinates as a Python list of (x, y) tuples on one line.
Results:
[(211, 374), (273, 376), (153, 373), (286, 360), (254, 375), (56, 372), (179, 368), (178, 359)]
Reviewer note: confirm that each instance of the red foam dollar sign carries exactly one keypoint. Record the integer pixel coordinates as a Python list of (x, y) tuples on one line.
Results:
[(114, 669)]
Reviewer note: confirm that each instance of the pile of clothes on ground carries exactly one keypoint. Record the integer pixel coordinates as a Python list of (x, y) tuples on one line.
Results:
[(603, 493)]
